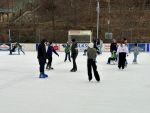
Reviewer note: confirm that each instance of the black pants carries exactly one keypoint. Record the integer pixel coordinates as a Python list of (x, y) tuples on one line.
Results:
[(42, 62), (122, 59), (67, 56), (49, 64), (74, 56), (12, 50), (111, 59), (92, 64)]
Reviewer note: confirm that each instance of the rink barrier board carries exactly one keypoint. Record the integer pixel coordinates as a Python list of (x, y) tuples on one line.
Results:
[(81, 47)]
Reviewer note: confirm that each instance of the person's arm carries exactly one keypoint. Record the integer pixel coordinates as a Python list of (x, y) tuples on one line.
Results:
[(55, 52), (118, 50), (140, 49)]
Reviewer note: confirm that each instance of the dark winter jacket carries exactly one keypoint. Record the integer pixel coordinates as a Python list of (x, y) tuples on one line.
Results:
[(41, 51), (74, 49), (50, 51), (113, 47)]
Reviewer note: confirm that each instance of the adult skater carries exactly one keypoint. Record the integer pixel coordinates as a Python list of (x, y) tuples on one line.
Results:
[(113, 46), (122, 51), (74, 54), (126, 44), (19, 48), (67, 52), (49, 55), (91, 62), (136, 50), (100, 45), (42, 57)]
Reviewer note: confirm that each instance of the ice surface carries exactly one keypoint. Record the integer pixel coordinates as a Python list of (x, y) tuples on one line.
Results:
[(21, 91)]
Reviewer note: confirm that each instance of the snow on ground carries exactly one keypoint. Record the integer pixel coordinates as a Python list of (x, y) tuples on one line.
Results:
[(120, 91)]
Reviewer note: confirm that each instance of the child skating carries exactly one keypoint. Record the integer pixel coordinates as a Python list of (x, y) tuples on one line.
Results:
[(136, 50)]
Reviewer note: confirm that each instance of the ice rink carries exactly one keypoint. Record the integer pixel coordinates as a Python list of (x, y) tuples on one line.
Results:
[(120, 91)]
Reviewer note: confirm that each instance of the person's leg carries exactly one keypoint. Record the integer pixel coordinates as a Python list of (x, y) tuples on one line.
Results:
[(119, 61), (69, 57), (74, 62), (65, 57), (89, 69), (22, 51), (75, 65), (95, 71), (123, 60), (74, 56), (50, 64), (136, 58), (18, 51), (42, 65)]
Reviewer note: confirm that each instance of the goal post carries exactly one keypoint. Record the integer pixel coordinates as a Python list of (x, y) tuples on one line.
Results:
[(81, 36)]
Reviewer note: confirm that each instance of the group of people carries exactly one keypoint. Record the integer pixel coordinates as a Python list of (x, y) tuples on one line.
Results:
[(119, 53), (45, 50), (15, 46)]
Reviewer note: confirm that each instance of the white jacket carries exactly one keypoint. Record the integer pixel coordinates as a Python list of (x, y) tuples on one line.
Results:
[(122, 49)]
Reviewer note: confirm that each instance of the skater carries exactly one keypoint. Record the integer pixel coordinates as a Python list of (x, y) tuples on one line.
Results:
[(91, 62), (14, 47), (19, 48), (67, 52), (95, 46), (49, 55), (136, 51), (126, 44), (122, 51), (74, 54), (113, 48), (42, 57), (112, 58), (100, 45)]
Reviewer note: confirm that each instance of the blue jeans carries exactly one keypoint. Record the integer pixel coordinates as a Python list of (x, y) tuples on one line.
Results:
[(42, 62)]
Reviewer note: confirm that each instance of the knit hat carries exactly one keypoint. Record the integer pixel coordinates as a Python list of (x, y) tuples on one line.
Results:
[(91, 45)]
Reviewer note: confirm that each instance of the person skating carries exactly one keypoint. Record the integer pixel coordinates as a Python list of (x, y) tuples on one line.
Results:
[(112, 58), (126, 44), (13, 48), (74, 54), (20, 48), (100, 45), (122, 51), (42, 58), (113, 47), (136, 50), (49, 55), (67, 52), (91, 62)]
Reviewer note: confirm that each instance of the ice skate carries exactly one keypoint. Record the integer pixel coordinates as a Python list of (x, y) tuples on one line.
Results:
[(42, 75)]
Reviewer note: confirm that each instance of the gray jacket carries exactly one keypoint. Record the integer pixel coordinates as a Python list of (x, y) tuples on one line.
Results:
[(136, 50), (91, 53)]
